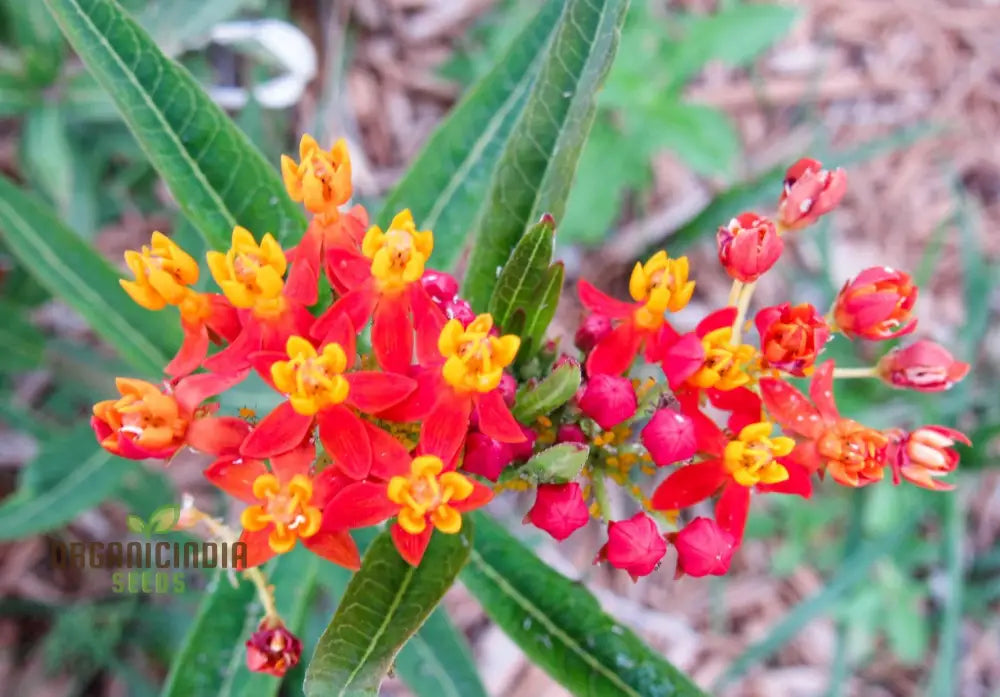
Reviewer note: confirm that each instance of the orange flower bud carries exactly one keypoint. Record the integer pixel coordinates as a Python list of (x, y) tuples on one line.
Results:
[(809, 192), (143, 423), (791, 337), (876, 305), (162, 273), (854, 455), (320, 180), (748, 247), (924, 366), (921, 456)]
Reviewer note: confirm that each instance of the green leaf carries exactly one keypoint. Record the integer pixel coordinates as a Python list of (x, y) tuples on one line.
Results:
[(135, 524), (540, 315), (217, 176), (385, 603), (537, 165), (16, 97), (43, 144), (21, 343), (213, 648), (70, 475), (75, 273), (548, 395), (177, 25), (437, 662), (560, 625), (523, 272), (556, 464), (703, 137), (447, 182)]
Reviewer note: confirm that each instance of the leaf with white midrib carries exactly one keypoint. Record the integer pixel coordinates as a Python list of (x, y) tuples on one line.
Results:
[(217, 176)]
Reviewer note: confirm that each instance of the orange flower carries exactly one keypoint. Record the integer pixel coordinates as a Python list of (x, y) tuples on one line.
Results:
[(791, 337), (163, 271), (321, 180)]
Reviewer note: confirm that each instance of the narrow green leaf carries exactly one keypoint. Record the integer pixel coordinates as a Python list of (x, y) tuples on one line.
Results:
[(43, 143), (21, 343), (949, 632), (70, 475), (437, 662), (537, 165), (213, 648), (556, 464), (75, 273), (385, 603), (177, 25), (217, 176), (16, 97), (523, 272), (539, 316), (560, 625), (447, 182), (548, 395), (135, 524)]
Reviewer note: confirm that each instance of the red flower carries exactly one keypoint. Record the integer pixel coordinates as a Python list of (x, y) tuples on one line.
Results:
[(571, 433), (791, 337), (876, 305), (205, 317), (923, 455), (332, 242), (559, 510), (608, 399), (152, 422), (748, 247), (485, 456), (272, 649), (669, 437), (441, 286), (809, 192), (286, 505), (384, 281), (431, 495), (322, 392), (703, 548), (753, 459), (659, 285), (634, 545), (923, 366), (707, 358), (592, 329), (853, 454)]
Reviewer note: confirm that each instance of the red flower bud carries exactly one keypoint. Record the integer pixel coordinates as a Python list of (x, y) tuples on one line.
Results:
[(921, 456), (272, 649), (748, 247), (485, 456), (592, 329), (442, 287), (791, 337), (559, 510), (876, 304), (669, 437), (508, 388), (809, 192), (703, 548), (524, 449), (608, 400), (459, 309), (571, 433), (924, 366), (634, 545)]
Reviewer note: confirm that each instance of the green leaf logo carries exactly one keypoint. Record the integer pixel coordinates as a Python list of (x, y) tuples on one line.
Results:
[(164, 519), (136, 524)]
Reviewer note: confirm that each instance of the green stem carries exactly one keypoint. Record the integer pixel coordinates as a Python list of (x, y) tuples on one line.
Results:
[(741, 311), (600, 489)]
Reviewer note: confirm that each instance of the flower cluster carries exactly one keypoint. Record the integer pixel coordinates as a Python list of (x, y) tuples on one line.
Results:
[(396, 401)]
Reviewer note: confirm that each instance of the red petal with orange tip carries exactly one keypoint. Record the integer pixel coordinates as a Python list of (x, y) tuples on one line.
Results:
[(236, 478), (689, 485), (373, 392), (732, 509), (616, 351), (358, 505), (302, 283), (280, 431), (389, 456), (596, 301), (799, 481), (392, 333), (192, 390), (340, 331), (357, 304), (790, 408), (495, 419), (480, 496), (411, 547), (261, 362), (218, 435), (336, 546), (346, 441), (716, 320), (192, 352), (258, 549), (821, 392), (443, 430)]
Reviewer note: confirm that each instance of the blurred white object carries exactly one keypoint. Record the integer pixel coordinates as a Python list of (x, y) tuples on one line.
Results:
[(283, 43)]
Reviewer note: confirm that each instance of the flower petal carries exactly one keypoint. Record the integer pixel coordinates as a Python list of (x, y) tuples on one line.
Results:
[(480, 496), (358, 505), (356, 304), (348, 267), (278, 432), (429, 320), (616, 351), (443, 431), (233, 358), (799, 482), (191, 353), (389, 456), (411, 547), (302, 283), (372, 392), (495, 419), (261, 361), (192, 390), (346, 441), (218, 435), (419, 404), (682, 359), (258, 549), (689, 485), (716, 320), (790, 408), (596, 301), (336, 546), (340, 331), (732, 509), (821, 392), (296, 461), (236, 478), (392, 333)]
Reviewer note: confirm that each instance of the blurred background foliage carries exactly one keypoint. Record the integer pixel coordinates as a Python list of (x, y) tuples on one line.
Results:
[(905, 583)]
